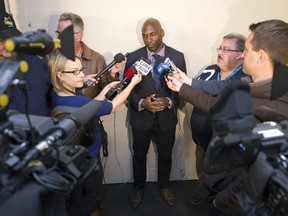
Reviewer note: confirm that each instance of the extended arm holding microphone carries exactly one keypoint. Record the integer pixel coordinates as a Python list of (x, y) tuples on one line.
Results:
[(121, 85), (129, 73), (117, 59)]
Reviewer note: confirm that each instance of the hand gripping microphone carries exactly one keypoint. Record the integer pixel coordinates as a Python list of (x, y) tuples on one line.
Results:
[(120, 86), (171, 64), (166, 67), (161, 67), (117, 59), (127, 76)]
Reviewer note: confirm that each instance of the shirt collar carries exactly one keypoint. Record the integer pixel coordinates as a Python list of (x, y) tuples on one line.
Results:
[(161, 52)]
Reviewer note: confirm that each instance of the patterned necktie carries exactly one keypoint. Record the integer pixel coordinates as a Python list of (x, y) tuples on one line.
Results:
[(155, 72), (155, 56)]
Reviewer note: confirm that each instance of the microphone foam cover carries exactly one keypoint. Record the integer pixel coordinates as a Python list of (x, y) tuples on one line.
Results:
[(119, 57), (148, 61), (129, 73)]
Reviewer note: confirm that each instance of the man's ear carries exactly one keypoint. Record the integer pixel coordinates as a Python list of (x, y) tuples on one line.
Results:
[(263, 56), (239, 56), (78, 36), (162, 33)]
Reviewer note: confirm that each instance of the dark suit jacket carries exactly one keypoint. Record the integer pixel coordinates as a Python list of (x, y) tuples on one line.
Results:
[(144, 119)]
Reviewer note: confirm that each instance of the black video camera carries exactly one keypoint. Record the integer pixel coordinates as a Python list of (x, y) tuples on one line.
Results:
[(40, 155), (260, 148)]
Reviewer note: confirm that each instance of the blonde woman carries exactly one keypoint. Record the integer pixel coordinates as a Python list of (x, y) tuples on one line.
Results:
[(67, 76)]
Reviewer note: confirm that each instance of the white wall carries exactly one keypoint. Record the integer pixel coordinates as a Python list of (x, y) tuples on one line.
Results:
[(194, 27)]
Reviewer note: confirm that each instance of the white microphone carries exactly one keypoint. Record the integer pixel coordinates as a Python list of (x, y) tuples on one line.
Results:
[(143, 67)]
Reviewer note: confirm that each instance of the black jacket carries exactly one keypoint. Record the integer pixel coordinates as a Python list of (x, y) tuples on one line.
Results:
[(144, 119)]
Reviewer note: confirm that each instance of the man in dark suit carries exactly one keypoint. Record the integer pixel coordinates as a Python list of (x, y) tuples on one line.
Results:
[(153, 112)]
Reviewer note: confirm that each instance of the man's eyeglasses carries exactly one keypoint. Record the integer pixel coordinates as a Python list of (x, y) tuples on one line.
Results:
[(225, 49), (75, 72)]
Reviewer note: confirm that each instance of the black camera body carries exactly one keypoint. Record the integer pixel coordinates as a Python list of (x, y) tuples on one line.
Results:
[(41, 157), (261, 149)]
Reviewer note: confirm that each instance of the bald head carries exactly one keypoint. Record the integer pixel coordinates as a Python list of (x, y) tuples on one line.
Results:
[(153, 22), (152, 34)]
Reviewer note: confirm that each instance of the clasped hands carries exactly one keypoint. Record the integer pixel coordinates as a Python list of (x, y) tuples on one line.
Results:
[(155, 104)]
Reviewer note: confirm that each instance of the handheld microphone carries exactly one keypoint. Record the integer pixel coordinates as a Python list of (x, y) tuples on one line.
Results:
[(143, 67), (171, 64), (117, 59), (163, 68), (264, 114), (114, 91), (127, 76)]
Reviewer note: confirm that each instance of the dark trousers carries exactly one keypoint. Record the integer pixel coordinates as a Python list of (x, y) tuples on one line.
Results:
[(90, 193), (200, 157), (141, 141)]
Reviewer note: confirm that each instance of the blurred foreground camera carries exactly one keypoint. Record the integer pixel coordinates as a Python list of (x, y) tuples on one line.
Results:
[(261, 149), (40, 157)]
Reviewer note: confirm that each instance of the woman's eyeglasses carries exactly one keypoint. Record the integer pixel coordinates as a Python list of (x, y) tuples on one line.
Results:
[(75, 72)]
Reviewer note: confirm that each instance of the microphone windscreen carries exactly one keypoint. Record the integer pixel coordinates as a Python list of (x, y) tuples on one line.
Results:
[(148, 61), (119, 57), (263, 114), (159, 60), (129, 73)]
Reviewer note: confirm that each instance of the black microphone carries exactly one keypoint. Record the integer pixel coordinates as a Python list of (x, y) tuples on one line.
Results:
[(117, 59), (127, 76), (114, 91), (264, 114)]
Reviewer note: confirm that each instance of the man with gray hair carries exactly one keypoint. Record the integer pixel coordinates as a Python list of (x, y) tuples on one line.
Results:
[(229, 66), (265, 49), (93, 62)]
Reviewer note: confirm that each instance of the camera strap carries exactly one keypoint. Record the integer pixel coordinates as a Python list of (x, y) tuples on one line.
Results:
[(104, 139)]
